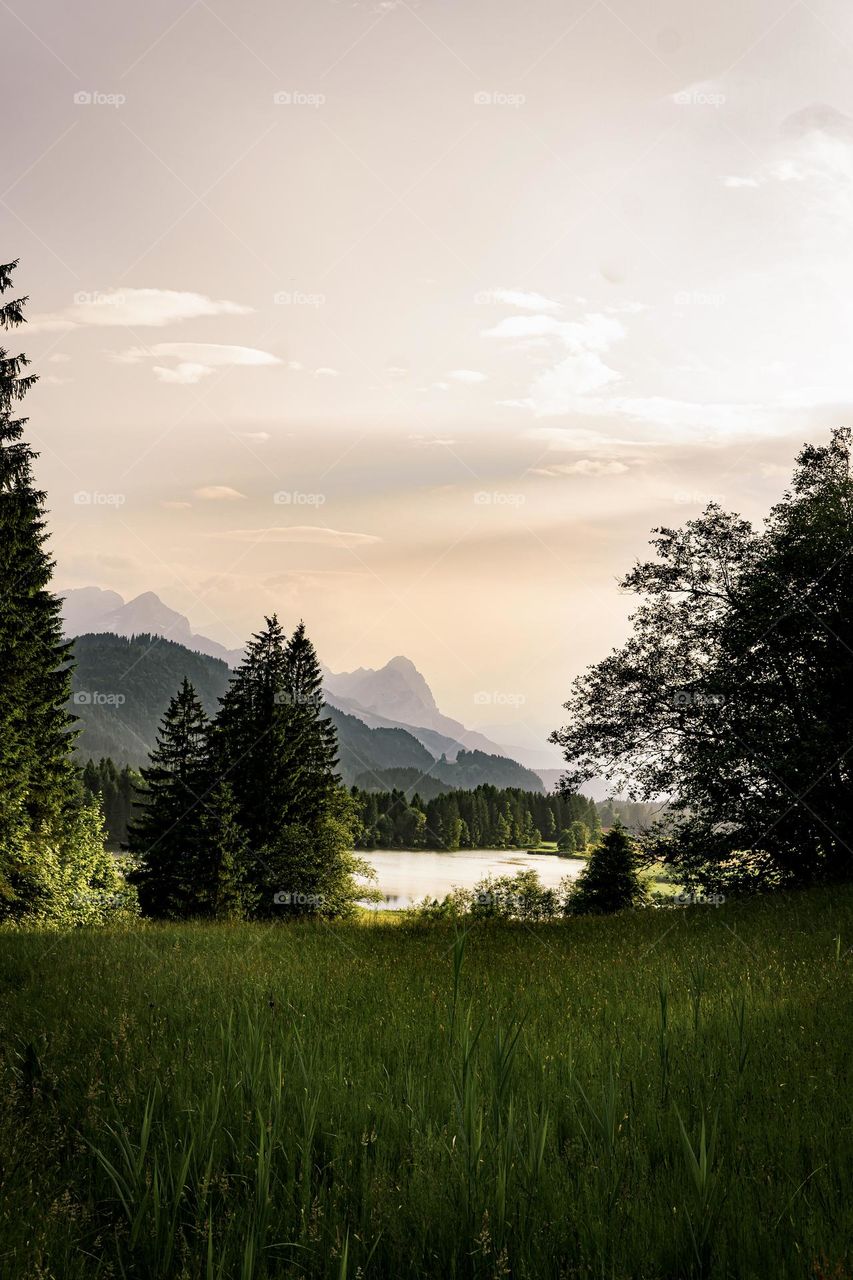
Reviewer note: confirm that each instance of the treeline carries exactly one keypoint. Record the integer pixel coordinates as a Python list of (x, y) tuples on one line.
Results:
[(635, 815), (486, 818), (119, 792)]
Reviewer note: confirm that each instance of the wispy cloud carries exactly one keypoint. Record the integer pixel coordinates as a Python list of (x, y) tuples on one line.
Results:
[(521, 299), (313, 535), (195, 360), (584, 467), (466, 375), (137, 308), (218, 493)]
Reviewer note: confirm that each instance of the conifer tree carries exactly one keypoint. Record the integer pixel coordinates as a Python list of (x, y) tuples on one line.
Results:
[(609, 881), (313, 737), (252, 739), (271, 741), (166, 838), (38, 785), (272, 744)]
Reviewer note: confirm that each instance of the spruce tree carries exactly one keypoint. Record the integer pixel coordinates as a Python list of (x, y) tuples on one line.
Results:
[(609, 881), (252, 740), (272, 744), (314, 739), (166, 837), (38, 785)]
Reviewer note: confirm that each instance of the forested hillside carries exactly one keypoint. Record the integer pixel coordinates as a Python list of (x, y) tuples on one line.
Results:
[(122, 686)]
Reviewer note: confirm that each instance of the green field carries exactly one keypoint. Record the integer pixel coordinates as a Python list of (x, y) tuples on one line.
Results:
[(664, 1094)]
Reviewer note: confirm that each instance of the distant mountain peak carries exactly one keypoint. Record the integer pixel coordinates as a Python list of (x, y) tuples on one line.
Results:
[(92, 610)]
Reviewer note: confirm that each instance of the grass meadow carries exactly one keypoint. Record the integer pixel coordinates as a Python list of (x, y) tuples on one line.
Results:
[(663, 1094)]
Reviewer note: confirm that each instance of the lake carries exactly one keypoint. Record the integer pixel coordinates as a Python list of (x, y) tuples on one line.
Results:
[(406, 876)]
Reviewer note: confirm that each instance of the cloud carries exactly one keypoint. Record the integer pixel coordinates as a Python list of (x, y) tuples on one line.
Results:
[(595, 332), (174, 505), (521, 300), (815, 147), (583, 467), (558, 390), (308, 534), (668, 419), (429, 442), (466, 375), (581, 371), (256, 437), (59, 358), (326, 372), (195, 360), (185, 374), (140, 308), (538, 326), (218, 493)]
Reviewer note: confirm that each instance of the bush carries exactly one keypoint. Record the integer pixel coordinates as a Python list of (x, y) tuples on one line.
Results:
[(518, 897), (74, 880)]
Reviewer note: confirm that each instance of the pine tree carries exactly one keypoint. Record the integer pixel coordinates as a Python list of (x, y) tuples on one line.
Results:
[(38, 786), (166, 838), (609, 881)]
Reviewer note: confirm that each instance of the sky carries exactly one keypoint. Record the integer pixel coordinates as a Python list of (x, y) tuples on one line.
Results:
[(412, 318)]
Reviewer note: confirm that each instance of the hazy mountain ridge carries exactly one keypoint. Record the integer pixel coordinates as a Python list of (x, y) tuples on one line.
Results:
[(121, 685), (393, 697), (93, 610)]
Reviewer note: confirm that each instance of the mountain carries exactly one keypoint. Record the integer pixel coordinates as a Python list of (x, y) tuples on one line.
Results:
[(121, 685), (398, 693), (90, 609), (393, 697)]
